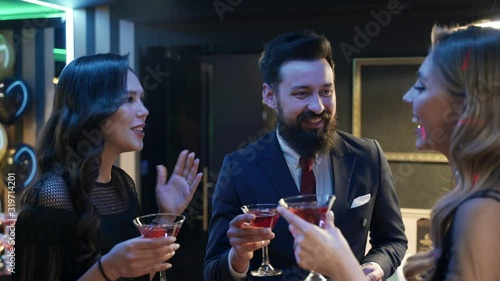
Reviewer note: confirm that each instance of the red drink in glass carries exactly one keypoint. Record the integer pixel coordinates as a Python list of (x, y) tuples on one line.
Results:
[(152, 231), (264, 218), (314, 215), (311, 208)]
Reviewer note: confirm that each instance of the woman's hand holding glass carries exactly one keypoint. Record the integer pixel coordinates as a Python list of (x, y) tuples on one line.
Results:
[(158, 226), (174, 196), (322, 250), (139, 256)]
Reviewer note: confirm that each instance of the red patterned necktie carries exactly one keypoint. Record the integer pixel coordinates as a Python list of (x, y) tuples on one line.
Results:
[(307, 181)]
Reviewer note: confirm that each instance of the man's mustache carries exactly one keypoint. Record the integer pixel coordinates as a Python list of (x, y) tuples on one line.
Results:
[(307, 115)]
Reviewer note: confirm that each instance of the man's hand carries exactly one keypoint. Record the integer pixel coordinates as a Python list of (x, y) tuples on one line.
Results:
[(244, 240), (373, 271)]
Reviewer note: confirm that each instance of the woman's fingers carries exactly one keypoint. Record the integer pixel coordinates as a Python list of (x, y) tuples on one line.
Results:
[(188, 165), (161, 174), (196, 181), (298, 223), (181, 162), (193, 171)]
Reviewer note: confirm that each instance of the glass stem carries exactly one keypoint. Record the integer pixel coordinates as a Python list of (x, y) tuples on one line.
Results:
[(163, 275), (265, 255)]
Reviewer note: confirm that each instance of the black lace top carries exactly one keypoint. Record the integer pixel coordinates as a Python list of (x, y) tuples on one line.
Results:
[(46, 241)]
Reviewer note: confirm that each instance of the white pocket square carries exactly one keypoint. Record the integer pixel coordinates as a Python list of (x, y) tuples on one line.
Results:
[(360, 201)]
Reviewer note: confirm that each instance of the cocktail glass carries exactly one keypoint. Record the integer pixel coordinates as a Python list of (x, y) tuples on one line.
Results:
[(266, 215), (158, 226), (311, 208)]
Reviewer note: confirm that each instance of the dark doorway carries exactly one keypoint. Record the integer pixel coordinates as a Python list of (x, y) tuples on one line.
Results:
[(177, 86)]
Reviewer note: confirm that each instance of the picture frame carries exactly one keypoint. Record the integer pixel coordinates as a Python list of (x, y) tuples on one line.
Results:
[(378, 111)]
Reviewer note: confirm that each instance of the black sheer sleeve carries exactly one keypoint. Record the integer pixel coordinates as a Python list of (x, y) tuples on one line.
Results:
[(45, 234), (47, 247)]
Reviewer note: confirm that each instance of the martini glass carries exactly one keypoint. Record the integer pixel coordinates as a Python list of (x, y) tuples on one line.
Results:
[(311, 208), (158, 226), (266, 215)]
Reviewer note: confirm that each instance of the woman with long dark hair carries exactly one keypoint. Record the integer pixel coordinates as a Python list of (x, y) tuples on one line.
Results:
[(76, 220)]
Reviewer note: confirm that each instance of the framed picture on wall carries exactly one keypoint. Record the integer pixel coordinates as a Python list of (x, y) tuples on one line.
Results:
[(378, 110)]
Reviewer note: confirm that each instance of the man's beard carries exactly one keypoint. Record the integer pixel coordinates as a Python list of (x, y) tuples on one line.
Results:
[(308, 143)]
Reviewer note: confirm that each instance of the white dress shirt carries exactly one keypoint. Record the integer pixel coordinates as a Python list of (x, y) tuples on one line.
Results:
[(322, 168)]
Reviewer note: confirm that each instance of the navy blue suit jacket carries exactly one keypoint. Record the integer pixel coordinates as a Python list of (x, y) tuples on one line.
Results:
[(258, 173)]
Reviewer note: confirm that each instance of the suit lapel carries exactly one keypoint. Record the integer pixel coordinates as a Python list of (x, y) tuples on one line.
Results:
[(343, 162), (273, 165)]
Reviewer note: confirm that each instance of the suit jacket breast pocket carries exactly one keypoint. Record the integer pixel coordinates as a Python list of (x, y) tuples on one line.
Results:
[(361, 214)]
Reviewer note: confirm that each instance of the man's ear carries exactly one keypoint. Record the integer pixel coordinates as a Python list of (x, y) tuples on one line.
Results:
[(269, 96)]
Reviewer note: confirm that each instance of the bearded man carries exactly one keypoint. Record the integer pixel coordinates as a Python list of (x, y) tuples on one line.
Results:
[(306, 154)]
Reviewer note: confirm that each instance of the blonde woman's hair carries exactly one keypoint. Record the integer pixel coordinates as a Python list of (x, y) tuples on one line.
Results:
[(467, 61)]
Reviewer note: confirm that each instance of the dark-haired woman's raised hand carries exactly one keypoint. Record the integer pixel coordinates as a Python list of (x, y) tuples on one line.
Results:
[(174, 196)]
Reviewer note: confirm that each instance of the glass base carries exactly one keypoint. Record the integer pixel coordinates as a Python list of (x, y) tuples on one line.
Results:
[(313, 276), (266, 270)]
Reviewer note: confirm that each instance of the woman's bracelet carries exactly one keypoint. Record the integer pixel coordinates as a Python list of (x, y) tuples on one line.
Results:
[(102, 270)]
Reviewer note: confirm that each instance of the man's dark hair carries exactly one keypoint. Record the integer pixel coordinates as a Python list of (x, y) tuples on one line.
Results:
[(299, 45)]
